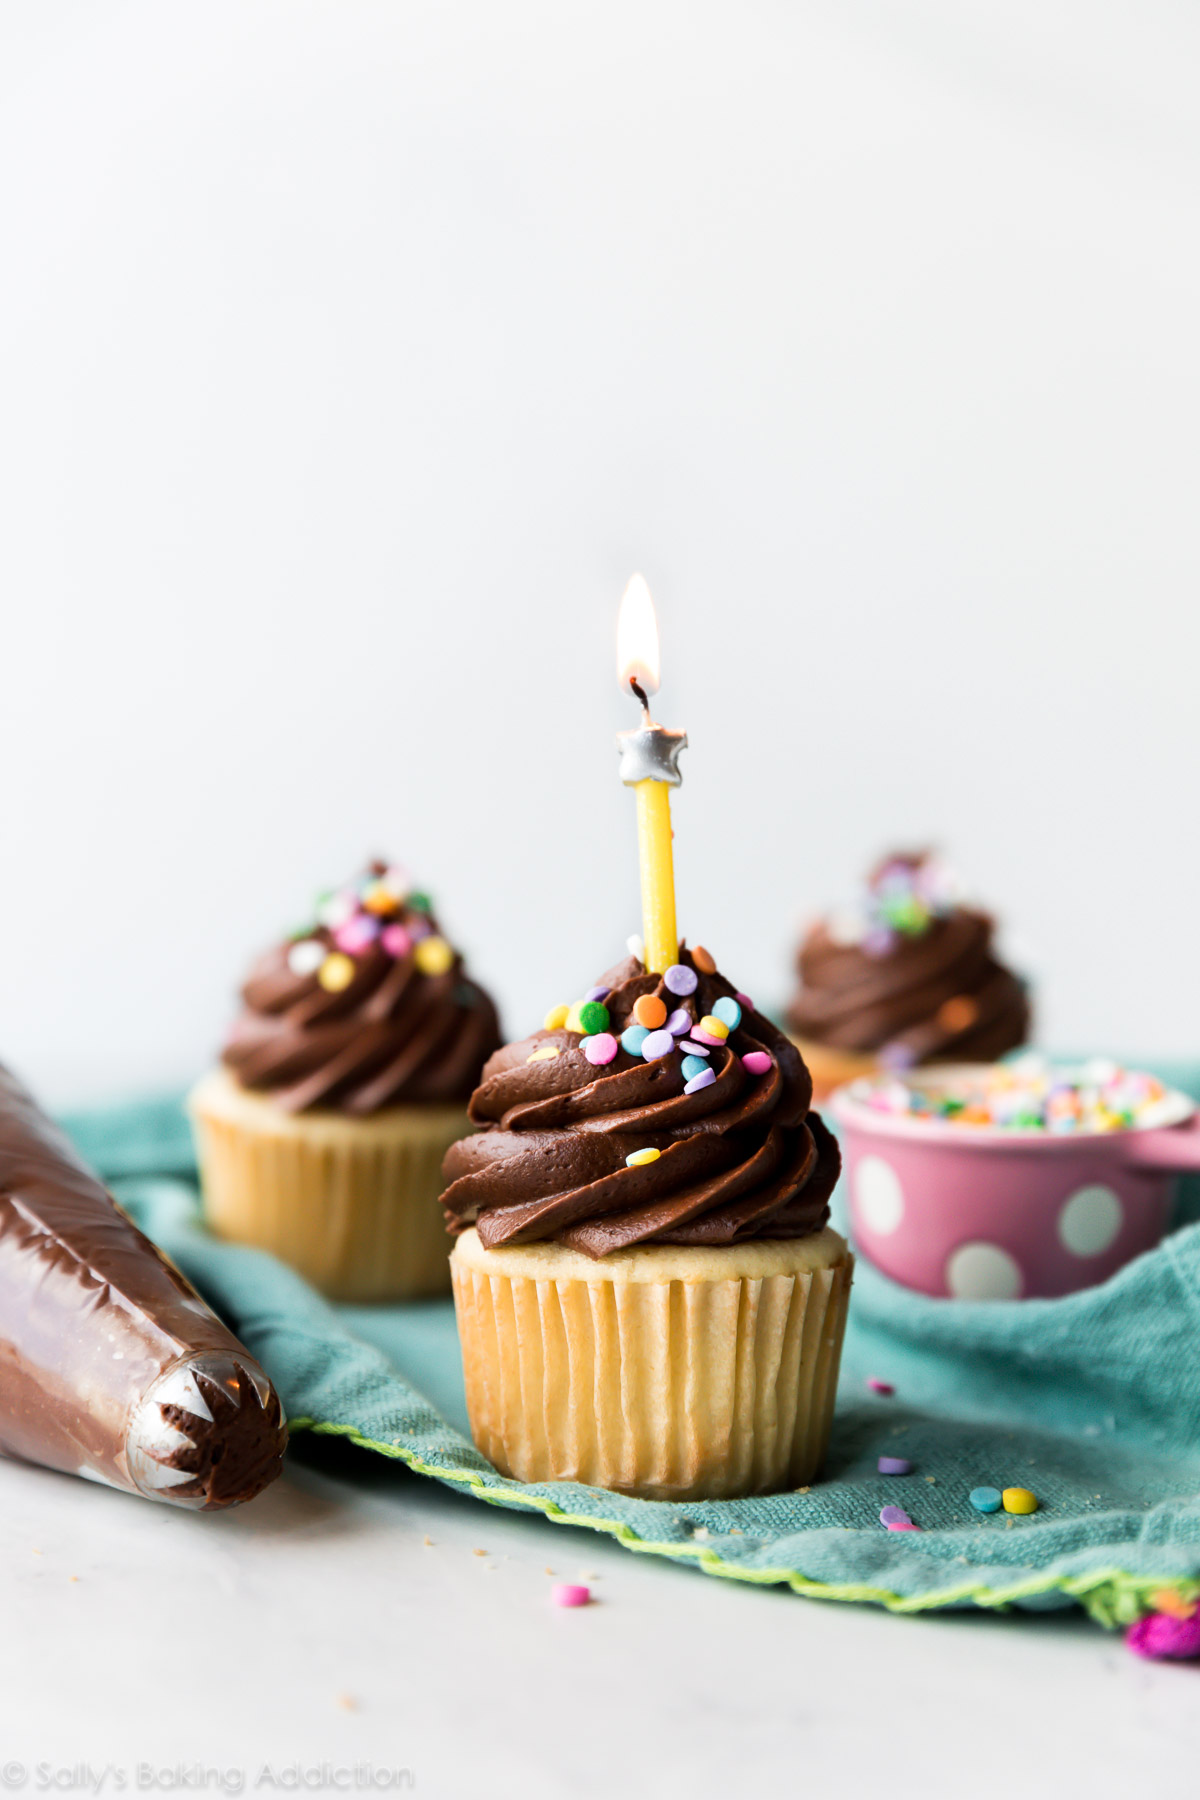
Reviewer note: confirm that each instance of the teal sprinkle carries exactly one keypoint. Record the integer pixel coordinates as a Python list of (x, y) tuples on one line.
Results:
[(632, 1039)]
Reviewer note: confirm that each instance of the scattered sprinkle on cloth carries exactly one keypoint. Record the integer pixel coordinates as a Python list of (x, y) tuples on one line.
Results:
[(1092, 1402)]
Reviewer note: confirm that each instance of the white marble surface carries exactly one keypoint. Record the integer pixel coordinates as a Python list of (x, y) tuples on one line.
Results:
[(318, 1626)]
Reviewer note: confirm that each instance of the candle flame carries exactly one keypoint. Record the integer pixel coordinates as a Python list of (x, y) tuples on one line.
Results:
[(637, 638)]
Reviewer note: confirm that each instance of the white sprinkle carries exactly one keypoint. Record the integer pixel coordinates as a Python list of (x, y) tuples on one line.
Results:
[(306, 958)]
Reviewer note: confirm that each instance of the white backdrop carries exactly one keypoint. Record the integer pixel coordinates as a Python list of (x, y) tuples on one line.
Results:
[(355, 353)]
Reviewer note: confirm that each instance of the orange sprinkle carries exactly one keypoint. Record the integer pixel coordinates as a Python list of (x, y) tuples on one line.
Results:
[(1166, 1600), (958, 1014), (703, 960), (649, 1011)]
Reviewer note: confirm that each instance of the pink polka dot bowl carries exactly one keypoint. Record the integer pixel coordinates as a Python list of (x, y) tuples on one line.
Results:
[(986, 1212)]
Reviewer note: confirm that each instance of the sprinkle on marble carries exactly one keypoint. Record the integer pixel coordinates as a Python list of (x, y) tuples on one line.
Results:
[(986, 1499), (894, 1465), (879, 1387), (570, 1593), (1019, 1500)]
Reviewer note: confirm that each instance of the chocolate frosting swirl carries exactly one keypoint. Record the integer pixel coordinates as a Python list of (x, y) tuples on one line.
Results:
[(402, 1026), (939, 994), (740, 1158)]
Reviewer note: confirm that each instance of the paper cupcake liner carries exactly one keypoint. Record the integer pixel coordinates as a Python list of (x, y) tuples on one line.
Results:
[(831, 1068), (667, 1372), (352, 1204)]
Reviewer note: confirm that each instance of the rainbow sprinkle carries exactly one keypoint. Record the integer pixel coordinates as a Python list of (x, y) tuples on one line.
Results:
[(902, 897), (375, 913), (1030, 1094)]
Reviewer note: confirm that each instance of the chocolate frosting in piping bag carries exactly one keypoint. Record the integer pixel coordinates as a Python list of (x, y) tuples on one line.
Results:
[(740, 1158), (111, 1365)]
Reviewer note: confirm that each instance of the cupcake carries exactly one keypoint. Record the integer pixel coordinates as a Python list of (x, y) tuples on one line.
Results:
[(908, 976), (321, 1136), (649, 1297)]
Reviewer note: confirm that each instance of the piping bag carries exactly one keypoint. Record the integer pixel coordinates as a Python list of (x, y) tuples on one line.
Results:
[(111, 1365)]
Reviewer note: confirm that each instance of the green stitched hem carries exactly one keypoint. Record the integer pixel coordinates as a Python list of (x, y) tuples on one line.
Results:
[(1112, 1597)]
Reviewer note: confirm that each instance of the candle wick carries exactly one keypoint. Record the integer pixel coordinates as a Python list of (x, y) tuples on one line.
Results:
[(640, 691)]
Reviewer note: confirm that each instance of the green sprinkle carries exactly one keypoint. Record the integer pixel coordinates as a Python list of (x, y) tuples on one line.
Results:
[(593, 1017), (419, 903)]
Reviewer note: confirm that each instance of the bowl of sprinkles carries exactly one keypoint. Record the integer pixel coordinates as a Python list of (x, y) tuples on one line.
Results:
[(1012, 1180)]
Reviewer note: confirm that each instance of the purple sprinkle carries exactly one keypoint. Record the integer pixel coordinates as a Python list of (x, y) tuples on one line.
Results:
[(679, 1022), (659, 1043), (894, 1465), (597, 993), (679, 979), (695, 1049), (706, 1078), (878, 941), (894, 1515), (1162, 1635), (897, 1056)]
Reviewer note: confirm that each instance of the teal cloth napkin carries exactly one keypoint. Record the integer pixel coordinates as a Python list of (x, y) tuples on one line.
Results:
[(1092, 1401)]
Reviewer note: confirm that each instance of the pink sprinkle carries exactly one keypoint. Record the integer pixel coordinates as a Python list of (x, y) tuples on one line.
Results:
[(569, 1593), (879, 1387), (691, 1048), (903, 1525), (706, 1078), (356, 935), (600, 1048), (1161, 1636), (757, 1061), (396, 941), (679, 1022), (419, 928), (706, 1037), (745, 1002)]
